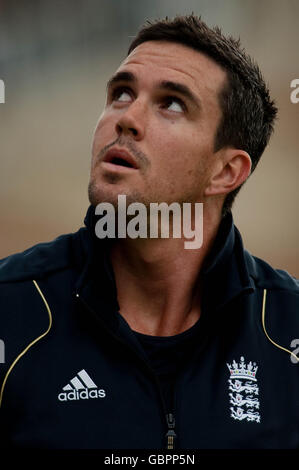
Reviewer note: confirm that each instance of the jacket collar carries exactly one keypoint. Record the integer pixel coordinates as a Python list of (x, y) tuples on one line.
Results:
[(96, 284), (224, 275)]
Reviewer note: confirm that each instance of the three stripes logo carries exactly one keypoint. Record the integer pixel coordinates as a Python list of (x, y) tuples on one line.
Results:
[(81, 387)]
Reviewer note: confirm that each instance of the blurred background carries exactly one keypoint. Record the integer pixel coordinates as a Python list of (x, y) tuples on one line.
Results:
[(55, 58)]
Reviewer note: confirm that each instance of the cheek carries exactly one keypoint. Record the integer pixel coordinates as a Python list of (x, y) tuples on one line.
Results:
[(166, 141), (176, 153), (183, 162)]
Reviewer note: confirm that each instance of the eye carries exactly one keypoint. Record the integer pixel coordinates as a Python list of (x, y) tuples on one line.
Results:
[(174, 104), (122, 95)]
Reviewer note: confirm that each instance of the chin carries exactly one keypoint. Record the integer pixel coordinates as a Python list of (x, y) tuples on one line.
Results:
[(97, 194)]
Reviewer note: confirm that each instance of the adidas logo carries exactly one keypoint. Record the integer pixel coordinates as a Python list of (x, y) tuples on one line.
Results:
[(81, 387)]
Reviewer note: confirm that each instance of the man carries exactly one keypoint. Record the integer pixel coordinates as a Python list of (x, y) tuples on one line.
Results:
[(131, 343)]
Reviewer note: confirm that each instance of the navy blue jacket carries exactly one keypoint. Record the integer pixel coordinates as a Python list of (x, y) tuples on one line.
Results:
[(76, 377)]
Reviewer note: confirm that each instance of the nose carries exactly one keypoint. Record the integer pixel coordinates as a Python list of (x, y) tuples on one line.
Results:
[(132, 121)]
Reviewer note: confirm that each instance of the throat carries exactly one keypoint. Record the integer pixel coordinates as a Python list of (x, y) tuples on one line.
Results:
[(163, 323)]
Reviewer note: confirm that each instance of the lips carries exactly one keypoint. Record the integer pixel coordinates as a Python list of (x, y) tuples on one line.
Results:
[(120, 157)]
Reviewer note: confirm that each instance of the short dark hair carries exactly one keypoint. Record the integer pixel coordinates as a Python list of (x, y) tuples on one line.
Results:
[(248, 113)]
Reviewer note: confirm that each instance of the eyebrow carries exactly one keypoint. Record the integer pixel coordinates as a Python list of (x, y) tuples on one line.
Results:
[(121, 77), (176, 87), (181, 89)]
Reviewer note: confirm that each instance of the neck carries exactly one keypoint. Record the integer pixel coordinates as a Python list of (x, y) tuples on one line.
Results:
[(158, 281)]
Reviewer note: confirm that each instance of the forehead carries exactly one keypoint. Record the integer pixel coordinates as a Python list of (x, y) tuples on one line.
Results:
[(159, 60)]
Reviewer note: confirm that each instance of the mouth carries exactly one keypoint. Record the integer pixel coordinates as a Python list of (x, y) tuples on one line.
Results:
[(120, 158)]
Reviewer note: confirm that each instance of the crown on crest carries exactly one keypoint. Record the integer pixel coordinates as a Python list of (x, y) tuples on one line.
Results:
[(242, 370)]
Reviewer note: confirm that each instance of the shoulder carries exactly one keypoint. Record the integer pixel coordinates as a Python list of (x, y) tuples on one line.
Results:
[(42, 259), (275, 304), (267, 277), (23, 316), (280, 305)]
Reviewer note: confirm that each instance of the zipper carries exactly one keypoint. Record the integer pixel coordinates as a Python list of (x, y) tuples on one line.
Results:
[(170, 435), (169, 421)]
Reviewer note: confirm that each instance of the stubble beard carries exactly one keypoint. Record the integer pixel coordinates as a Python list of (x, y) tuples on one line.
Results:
[(97, 194)]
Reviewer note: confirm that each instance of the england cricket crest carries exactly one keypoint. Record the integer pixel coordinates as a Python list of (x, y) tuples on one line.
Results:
[(244, 391)]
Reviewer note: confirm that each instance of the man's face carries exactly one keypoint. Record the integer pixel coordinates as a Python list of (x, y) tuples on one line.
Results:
[(162, 111)]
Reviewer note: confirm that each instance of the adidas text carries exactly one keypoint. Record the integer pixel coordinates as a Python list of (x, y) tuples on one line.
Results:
[(81, 395)]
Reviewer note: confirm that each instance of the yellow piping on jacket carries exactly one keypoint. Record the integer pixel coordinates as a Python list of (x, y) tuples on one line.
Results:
[(263, 322), (31, 344)]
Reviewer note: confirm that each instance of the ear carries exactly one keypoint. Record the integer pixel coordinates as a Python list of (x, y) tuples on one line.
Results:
[(231, 169)]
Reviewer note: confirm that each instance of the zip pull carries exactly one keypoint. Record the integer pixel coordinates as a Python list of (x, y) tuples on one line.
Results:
[(170, 435)]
